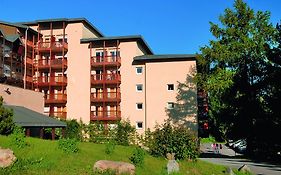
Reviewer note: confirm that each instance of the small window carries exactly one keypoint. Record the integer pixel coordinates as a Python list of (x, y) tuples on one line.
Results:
[(170, 87), (139, 70), (139, 106), (139, 125), (139, 87), (170, 105)]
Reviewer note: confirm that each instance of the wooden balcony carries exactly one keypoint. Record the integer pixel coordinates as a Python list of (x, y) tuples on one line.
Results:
[(29, 43), (55, 98), (106, 78), (110, 61), (52, 81), (29, 79), (105, 115), (106, 97), (29, 60), (58, 114), (54, 64), (56, 46)]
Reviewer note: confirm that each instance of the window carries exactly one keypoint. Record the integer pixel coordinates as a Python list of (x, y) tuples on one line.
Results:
[(139, 106), (139, 87), (170, 87), (139, 70), (170, 105), (139, 125)]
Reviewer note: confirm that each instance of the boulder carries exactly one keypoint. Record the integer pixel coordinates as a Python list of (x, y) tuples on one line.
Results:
[(170, 156), (244, 169), (7, 158), (172, 166), (118, 167), (229, 171)]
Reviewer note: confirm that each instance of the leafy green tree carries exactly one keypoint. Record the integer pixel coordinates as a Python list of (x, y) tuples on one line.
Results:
[(6, 119), (234, 68)]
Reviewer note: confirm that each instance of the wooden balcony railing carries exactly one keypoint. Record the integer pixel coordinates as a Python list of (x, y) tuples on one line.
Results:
[(110, 115), (54, 64), (29, 78), (56, 46), (52, 81), (107, 61), (59, 114), (106, 78), (55, 98), (106, 97), (29, 43)]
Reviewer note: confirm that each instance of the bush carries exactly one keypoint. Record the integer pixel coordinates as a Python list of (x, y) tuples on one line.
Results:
[(18, 137), (173, 139), (124, 134), (97, 133), (73, 130), (138, 157), (68, 145), (6, 119), (109, 147)]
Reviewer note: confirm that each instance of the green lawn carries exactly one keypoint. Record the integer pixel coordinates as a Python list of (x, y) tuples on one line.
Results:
[(44, 157)]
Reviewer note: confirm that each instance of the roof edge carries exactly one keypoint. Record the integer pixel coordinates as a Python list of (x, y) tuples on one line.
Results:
[(165, 57), (125, 38)]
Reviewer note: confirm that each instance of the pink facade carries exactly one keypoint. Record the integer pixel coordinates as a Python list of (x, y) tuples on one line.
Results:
[(22, 97), (106, 79)]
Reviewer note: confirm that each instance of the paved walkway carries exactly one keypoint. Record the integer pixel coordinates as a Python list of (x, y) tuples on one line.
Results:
[(228, 157)]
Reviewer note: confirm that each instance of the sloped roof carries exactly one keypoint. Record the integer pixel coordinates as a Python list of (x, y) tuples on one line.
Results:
[(28, 118), (69, 20), (127, 38)]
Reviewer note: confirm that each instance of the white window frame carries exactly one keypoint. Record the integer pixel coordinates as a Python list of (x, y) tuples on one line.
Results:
[(170, 103), (137, 70), (137, 127), (138, 89), (169, 85), (139, 109)]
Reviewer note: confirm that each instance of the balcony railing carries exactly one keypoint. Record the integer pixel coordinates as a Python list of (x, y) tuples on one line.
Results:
[(106, 97), (54, 46), (54, 64), (59, 114), (107, 61), (29, 78), (52, 81), (55, 98), (106, 78), (29, 60), (105, 115)]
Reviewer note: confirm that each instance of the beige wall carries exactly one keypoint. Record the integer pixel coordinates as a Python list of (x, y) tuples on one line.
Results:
[(155, 95), (158, 76), (22, 97), (78, 73)]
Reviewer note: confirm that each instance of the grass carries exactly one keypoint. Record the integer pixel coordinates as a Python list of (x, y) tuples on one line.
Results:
[(43, 157), (209, 139)]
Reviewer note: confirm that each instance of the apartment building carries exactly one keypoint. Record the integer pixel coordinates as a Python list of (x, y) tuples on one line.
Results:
[(87, 76)]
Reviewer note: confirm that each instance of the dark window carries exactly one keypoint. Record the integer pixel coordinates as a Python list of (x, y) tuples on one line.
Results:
[(170, 87)]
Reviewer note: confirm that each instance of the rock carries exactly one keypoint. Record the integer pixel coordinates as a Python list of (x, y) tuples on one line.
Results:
[(118, 167), (170, 156), (244, 169), (7, 158), (229, 171), (172, 166)]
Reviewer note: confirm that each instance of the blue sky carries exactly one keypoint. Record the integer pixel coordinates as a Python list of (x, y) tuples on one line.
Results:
[(169, 26)]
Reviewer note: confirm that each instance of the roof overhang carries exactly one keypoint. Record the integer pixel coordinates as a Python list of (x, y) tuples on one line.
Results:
[(165, 58), (137, 38)]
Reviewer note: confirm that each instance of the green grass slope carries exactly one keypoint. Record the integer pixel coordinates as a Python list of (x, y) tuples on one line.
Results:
[(43, 157)]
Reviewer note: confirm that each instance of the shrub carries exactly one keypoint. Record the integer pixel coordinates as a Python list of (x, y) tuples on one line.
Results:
[(110, 147), (173, 139), (68, 145), (73, 130), (6, 119), (138, 157), (97, 133), (18, 137), (124, 133)]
